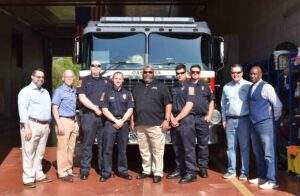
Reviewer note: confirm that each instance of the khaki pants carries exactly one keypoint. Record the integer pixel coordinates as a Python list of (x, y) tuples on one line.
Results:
[(65, 147), (33, 151), (151, 140)]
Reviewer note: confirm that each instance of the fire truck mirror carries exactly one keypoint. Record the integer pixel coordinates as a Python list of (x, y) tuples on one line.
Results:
[(77, 50)]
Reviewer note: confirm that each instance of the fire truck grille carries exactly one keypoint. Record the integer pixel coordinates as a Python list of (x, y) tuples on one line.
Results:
[(130, 83)]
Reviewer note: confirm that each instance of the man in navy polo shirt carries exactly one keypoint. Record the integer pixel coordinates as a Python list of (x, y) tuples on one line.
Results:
[(64, 111), (264, 107)]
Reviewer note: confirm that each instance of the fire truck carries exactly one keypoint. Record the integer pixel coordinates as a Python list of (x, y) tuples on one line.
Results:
[(127, 44)]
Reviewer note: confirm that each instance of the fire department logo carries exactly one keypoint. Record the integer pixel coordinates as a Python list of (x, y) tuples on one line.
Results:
[(124, 96)]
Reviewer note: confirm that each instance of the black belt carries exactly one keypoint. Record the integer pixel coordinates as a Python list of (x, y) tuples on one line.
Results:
[(236, 117), (119, 117), (199, 115), (38, 121), (70, 117)]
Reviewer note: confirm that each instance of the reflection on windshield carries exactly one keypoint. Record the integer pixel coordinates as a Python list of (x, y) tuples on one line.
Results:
[(166, 50), (119, 50)]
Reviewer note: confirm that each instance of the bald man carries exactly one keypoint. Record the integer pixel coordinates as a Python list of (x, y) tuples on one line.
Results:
[(64, 111), (264, 108)]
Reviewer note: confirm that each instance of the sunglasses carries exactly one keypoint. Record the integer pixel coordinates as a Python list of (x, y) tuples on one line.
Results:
[(94, 65), (147, 72), (39, 77), (237, 72), (180, 73), (195, 72)]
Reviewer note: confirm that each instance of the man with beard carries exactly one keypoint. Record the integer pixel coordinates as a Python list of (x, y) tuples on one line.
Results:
[(151, 121), (34, 106), (264, 107)]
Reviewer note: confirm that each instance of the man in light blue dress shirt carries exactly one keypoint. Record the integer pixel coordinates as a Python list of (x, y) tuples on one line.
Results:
[(235, 119), (34, 106)]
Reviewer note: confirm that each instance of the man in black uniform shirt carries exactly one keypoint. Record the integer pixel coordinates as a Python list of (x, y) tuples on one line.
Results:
[(183, 131), (91, 89), (117, 106), (151, 120), (203, 107)]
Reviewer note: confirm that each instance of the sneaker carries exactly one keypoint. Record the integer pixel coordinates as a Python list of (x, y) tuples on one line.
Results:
[(269, 185), (258, 181), (229, 175), (243, 177)]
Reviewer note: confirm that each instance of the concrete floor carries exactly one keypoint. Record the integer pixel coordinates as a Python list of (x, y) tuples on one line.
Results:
[(11, 172)]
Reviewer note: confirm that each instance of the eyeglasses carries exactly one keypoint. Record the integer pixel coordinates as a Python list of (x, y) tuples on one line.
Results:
[(94, 65), (195, 72), (237, 72), (180, 73), (147, 72), (39, 77)]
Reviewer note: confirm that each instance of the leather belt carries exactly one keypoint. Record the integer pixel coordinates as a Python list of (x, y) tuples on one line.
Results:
[(38, 121), (70, 117), (236, 117)]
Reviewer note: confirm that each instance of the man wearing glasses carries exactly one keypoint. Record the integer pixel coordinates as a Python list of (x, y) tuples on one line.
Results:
[(151, 121), (92, 119), (64, 111), (34, 106), (183, 131), (235, 120), (203, 107)]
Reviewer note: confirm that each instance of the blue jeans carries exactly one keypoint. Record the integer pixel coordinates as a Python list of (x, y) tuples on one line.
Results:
[(263, 144), (238, 132)]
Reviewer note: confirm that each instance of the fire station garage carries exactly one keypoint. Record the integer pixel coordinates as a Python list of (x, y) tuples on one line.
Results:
[(232, 41)]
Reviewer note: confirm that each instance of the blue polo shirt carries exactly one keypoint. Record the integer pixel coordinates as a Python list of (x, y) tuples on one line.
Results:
[(65, 98)]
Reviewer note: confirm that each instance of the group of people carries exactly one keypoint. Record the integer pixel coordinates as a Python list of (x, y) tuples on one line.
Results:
[(249, 110), (150, 110)]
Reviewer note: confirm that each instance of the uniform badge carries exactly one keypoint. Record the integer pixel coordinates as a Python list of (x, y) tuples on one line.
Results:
[(102, 97), (124, 96), (154, 88), (202, 88), (191, 90), (182, 88), (111, 98)]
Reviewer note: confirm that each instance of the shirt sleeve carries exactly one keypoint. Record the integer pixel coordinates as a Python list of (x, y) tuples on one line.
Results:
[(191, 93), (82, 88), (104, 103), (130, 103), (23, 104), (166, 95), (56, 100), (268, 92), (223, 104)]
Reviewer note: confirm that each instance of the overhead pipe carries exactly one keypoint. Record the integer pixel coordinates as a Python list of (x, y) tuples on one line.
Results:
[(104, 3)]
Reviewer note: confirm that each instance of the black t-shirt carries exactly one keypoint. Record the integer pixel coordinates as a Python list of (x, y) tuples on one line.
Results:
[(150, 102)]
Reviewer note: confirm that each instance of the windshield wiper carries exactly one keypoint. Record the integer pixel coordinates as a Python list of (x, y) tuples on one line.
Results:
[(116, 65)]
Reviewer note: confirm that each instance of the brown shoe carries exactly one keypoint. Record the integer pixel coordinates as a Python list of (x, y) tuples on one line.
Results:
[(30, 185), (45, 180), (67, 178)]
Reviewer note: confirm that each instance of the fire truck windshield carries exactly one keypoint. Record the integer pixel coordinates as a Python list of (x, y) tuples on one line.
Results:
[(115, 48), (166, 50)]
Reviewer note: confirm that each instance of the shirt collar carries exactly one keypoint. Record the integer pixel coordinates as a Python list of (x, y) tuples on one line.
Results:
[(66, 87), (257, 83), (34, 87)]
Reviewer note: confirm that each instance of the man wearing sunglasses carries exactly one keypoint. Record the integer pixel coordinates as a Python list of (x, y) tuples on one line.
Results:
[(34, 106), (203, 107), (92, 120), (235, 120), (183, 128), (151, 121)]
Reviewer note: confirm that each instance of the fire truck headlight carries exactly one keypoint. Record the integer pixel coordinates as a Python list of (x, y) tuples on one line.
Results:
[(216, 117)]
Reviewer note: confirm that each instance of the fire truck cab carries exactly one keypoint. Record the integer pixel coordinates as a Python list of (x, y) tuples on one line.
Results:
[(127, 44)]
